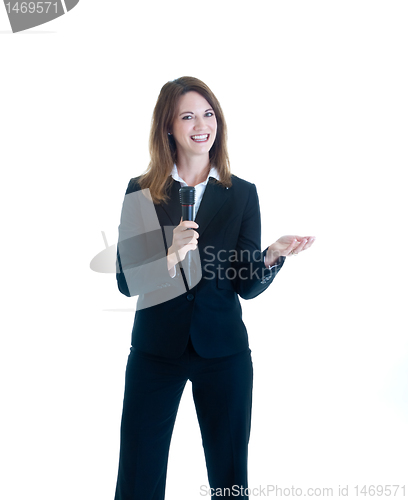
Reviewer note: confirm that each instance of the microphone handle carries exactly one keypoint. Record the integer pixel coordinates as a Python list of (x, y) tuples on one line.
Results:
[(187, 211)]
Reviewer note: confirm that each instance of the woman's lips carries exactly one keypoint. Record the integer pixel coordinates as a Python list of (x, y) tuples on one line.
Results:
[(200, 138)]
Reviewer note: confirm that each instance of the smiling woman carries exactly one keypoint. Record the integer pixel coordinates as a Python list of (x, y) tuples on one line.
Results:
[(190, 330), (180, 97), (194, 133)]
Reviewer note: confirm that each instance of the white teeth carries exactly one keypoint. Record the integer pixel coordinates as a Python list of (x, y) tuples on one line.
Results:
[(200, 137)]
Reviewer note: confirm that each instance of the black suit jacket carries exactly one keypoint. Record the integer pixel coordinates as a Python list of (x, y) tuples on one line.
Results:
[(228, 262)]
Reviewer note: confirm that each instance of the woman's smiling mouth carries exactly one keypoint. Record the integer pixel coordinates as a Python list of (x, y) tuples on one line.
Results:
[(200, 138)]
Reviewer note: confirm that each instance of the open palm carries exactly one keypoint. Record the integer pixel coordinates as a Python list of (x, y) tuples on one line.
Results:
[(288, 245)]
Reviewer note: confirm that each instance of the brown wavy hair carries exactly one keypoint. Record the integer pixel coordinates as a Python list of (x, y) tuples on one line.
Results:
[(162, 147)]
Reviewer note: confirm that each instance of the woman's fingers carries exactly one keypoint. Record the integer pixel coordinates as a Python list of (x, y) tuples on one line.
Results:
[(187, 235), (310, 241), (292, 245), (304, 244), (300, 246), (286, 247), (186, 228), (188, 224)]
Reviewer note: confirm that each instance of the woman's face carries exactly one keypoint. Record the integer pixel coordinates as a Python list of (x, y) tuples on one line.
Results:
[(195, 126)]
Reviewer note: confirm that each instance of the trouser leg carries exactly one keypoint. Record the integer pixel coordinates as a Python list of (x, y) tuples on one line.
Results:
[(222, 390), (153, 388)]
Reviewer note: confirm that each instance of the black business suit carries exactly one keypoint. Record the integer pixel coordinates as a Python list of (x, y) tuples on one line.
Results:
[(195, 334)]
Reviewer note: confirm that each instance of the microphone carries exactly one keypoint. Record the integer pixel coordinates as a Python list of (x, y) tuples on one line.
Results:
[(187, 200)]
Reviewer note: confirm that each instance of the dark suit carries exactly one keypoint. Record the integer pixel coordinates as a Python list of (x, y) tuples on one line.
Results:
[(231, 263), (195, 334)]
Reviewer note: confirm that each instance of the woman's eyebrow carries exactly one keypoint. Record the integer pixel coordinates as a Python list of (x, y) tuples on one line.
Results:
[(206, 111)]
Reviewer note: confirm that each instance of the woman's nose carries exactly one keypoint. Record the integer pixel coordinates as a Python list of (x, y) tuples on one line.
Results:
[(199, 124)]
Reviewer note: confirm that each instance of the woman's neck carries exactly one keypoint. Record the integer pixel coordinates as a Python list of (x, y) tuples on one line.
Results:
[(193, 171)]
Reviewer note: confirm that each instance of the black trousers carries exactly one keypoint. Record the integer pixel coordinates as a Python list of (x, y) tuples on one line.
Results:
[(222, 391)]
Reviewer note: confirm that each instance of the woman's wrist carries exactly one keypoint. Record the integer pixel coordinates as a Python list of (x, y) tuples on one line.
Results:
[(171, 259), (271, 257)]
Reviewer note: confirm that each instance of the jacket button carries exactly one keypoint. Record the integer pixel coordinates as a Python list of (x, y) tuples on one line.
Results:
[(190, 296)]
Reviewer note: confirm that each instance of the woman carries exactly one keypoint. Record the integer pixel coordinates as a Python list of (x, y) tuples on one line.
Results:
[(190, 331)]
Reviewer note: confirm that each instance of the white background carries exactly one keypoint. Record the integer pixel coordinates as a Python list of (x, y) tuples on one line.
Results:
[(315, 97)]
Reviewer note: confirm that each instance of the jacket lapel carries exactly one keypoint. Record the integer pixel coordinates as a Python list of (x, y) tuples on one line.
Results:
[(215, 195), (169, 213)]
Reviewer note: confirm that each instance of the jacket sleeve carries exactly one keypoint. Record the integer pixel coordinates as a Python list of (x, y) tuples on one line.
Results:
[(253, 277), (141, 264)]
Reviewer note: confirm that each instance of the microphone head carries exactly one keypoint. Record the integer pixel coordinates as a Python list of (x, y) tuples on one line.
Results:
[(187, 195)]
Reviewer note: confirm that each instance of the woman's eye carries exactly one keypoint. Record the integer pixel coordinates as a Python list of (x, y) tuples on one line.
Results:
[(190, 117)]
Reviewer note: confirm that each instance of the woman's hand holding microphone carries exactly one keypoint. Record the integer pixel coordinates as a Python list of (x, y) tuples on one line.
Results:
[(184, 240)]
